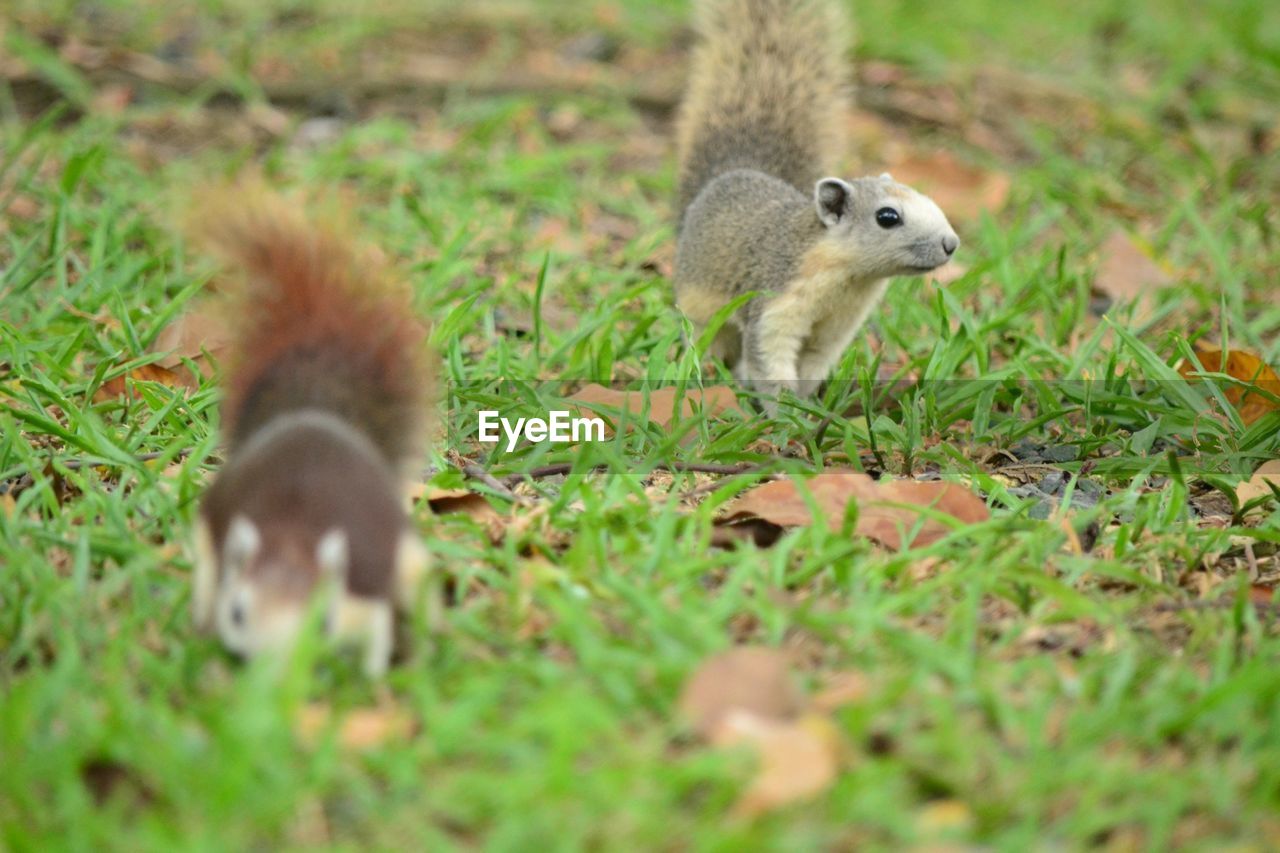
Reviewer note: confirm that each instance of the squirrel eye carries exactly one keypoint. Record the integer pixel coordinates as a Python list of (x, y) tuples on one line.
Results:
[(887, 217)]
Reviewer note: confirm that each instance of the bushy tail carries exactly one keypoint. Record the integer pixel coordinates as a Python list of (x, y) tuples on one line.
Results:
[(767, 91), (318, 327)]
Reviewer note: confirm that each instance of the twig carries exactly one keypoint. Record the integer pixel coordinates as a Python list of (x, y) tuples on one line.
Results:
[(694, 467), (707, 488), (710, 467), (540, 472), (475, 472)]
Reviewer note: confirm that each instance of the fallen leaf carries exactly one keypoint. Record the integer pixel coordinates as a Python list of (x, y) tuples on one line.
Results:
[(797, 759), (747, 678), (363, 728), (711, 400), (962, 191), (747, 696), (1126, 274), (880, 514), (1261, 483), (1261, 595), (450, 501), (119, 386), (840, 689), (197, 333), (757, 531), (1245, 367)]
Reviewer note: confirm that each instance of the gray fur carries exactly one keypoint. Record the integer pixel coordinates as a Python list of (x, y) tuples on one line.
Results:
[(756, 215), (750, 232)]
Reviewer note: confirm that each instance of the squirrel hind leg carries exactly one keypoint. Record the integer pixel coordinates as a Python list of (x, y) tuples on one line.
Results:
[(379, 640), (727, 346), (772, 345), (368, 624)]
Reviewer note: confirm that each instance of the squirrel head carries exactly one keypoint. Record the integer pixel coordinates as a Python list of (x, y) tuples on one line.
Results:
[(267, 584), (891, 228)]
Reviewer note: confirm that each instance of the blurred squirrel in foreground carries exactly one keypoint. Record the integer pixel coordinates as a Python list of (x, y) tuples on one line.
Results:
[(324, 415), (760, 125)]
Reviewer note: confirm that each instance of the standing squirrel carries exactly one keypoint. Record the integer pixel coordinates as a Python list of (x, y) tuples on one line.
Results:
[(325, 406), (760, 125)]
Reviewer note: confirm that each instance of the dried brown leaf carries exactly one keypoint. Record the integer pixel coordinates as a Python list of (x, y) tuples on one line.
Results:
[(197, 331), (747, 678), (712, 400), (120, 385), (798, 759), (881, 515), (754, 530), (840, 689), (1127, 274), (363, 728), (1246, 367), (450, 501), (1261, 483)]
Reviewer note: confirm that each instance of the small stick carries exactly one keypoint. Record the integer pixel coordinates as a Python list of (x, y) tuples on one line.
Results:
[(697, 467), (475, 472), (708, 488), (539, 473)]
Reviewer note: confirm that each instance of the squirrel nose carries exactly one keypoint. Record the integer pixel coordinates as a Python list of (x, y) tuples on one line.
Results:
[(950, 243)]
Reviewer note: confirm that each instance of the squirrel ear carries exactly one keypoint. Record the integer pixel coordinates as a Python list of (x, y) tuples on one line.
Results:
[(333, 554), (832, 198)]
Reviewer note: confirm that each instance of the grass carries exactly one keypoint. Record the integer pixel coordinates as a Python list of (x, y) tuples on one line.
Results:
[(1023, 692)]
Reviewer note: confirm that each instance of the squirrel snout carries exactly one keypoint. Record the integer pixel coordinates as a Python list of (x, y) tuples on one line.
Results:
[(950, 243)]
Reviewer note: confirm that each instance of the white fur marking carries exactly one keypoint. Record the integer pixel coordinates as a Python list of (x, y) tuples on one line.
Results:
[(370, 623), (333, 554), (204, 581), (243, 542)]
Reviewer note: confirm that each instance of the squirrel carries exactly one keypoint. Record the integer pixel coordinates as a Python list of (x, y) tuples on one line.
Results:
[(759, 126), (325, 405)]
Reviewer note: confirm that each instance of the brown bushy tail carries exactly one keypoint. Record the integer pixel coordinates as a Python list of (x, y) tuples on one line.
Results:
[(767, 91), (318, 327)]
